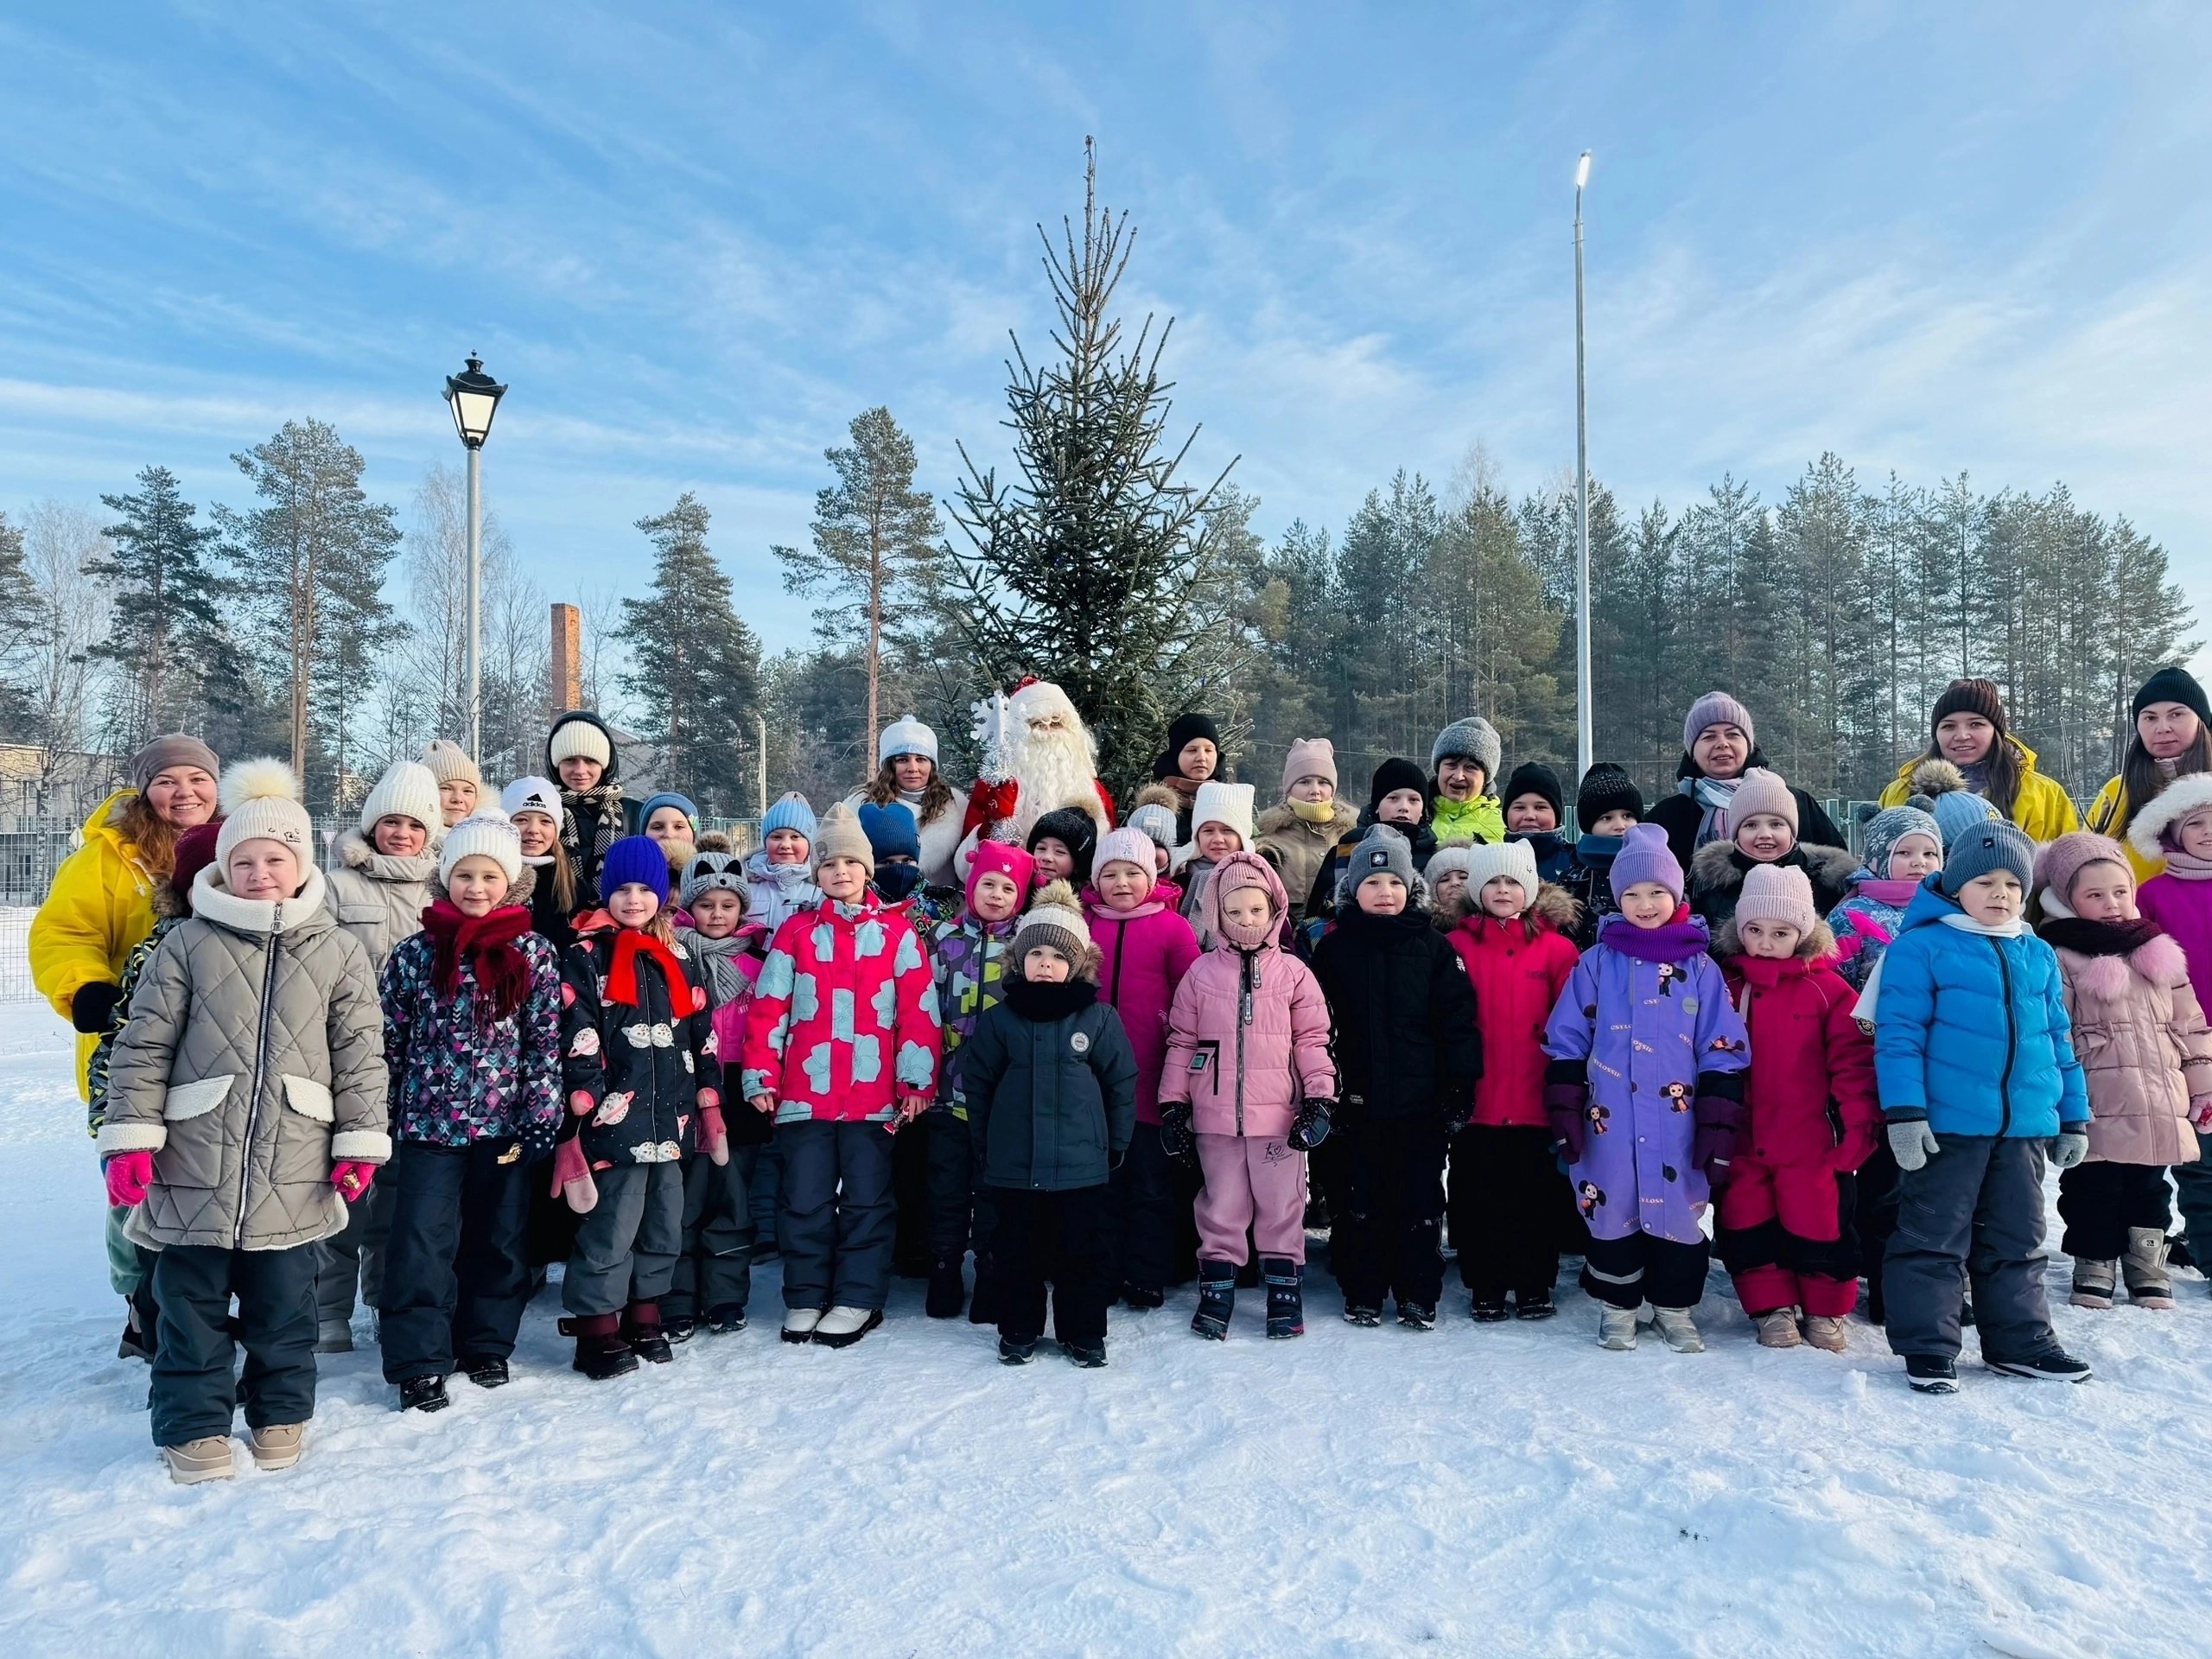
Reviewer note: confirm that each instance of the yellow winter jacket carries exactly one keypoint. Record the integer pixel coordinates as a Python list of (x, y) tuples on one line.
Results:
[(1477, 817), (2042, 808), (100, 906), (2111, 809)]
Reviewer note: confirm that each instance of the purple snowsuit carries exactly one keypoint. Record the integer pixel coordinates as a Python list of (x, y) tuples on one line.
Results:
[(1657, 1040)]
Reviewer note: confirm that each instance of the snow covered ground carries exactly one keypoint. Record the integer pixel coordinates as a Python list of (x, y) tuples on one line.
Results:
[(1497, 1489)]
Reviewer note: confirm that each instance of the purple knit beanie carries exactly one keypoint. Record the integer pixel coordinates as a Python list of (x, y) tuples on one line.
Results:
[(1716, 709), (1645, 857)]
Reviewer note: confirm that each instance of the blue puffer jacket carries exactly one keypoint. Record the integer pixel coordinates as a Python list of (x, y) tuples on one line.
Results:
[(1971, 1031)]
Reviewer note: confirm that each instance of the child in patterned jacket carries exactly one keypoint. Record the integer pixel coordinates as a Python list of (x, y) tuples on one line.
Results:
[(842, 1044), (471, 1018)]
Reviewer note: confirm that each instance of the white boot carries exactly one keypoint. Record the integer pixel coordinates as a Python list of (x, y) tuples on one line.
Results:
[(799, 1322), (1677, 1331), (206, 1458), (1617, 1328), (1779, 1329), (2093, 1282), (842, 1327), (2145, 1267)]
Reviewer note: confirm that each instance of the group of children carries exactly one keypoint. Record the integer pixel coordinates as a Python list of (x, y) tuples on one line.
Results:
[(1109, 1052)]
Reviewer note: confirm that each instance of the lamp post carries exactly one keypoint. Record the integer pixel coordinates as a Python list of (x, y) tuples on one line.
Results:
[(1582, 721), (473, 396)]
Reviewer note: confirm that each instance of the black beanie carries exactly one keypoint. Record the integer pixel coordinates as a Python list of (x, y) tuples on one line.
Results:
[(1184, 729), (1074, 828), (1530, 777), (1396, 773), (2171, 684), (1606, 788)]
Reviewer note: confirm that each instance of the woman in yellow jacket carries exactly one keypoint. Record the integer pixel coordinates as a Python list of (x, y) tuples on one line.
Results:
[(101, 905), (2170, 742), (1969, 729)]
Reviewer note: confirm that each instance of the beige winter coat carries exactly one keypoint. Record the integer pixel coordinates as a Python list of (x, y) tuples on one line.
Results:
[(253, 1058), (378, 898), (2143, 1048), (1296, 847)]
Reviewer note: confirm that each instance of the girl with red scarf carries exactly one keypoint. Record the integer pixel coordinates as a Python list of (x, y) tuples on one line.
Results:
[(472, 1012)]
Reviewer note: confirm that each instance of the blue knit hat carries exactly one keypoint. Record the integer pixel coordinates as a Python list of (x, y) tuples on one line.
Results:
[(789, 812), (635, 858), (890, 830), (669, 797)]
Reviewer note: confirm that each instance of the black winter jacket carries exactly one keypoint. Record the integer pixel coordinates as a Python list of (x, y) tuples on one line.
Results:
[(1716, 878), (641, 1066), (1406, 1040), (1051, 1083), (1679, 815), (1321, 900)]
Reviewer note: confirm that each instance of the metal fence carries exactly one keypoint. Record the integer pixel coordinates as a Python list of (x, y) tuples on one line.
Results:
[(15, 956)]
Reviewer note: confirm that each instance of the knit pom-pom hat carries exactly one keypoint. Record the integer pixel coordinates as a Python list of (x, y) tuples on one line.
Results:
[(449, 763), (261, 802), (1155, 822), (1054, 919)]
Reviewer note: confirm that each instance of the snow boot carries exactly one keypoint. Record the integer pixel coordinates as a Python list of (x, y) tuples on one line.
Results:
[(842, 1327), (485, 1371), (2145, 1268), (677, 1328), (947, 1298), (2051, 1364), (277, 1446), (600, 1351), (334, 1337), (799, 1322), (1489, 1310), (2093, 1282), (423, 1393), (1931, 1374), (1090, 1356), (1017, 1350), (647, 1336), (208, 1458), (1217, 1299), (727, 1320), (1417, 1316), (1285, 1297), (1826, 1332), (1617, 1328), (1142, 1299), (1367, 1318), (1779, 1329), (1533, 1305), (1677, 1330)]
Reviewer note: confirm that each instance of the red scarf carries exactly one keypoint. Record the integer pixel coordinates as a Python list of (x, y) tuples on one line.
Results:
[(622, 976), (486, 944)]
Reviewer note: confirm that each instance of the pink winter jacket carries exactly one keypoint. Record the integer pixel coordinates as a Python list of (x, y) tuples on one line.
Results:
[(1248, 1035), (1142, 958), (2145, 1051)]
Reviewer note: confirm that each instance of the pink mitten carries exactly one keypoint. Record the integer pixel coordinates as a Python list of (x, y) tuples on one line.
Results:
[(128, 1175), (352, 1179), (572, 1176), (2200, 1113), (714, 1138)]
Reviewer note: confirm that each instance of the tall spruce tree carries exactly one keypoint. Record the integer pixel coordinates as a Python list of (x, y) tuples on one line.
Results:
[(1090, 568), (166, 637), (695, 665), (20, 632)]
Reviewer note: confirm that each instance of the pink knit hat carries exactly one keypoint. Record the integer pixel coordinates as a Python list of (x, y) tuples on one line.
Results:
[(1233, 874), (2059, 863), (1761, 790), (1776, 892), (1125, 846), (998, 856), (1309, 757)]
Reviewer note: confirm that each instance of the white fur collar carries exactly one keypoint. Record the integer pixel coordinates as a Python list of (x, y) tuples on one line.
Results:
[(213, 902)]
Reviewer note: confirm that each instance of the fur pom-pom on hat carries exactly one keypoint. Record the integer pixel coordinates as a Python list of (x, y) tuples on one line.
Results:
[(1055, 920), (261, 802), (1939, 789)]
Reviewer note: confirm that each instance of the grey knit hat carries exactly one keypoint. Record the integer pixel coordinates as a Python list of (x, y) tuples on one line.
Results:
[(1381, 851), (1889, 826), (1472, 739), (713, 872), (1995, 845)]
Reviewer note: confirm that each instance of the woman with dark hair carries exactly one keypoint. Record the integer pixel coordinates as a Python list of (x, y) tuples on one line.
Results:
[(906, 771), (1969, 729), (1718, 748), (2173, 739), (101, 905)]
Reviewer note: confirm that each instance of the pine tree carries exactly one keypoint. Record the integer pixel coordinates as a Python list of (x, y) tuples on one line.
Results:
[(875, 553), (1092, 569), (19, 631), (696, 667), (167, 637)]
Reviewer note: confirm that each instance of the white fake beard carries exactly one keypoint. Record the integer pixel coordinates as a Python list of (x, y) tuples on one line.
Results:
[(1054, 770)]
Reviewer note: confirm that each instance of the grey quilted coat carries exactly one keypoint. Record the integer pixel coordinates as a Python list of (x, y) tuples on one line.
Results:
[(253, 1058), (378, 898)]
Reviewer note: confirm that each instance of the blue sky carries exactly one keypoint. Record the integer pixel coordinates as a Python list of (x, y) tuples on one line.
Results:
[(697, 240)]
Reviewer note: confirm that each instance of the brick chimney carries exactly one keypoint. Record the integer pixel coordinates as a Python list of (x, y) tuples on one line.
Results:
[(568, 658)]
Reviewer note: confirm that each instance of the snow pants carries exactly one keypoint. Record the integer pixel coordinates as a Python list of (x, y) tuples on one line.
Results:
[(2099, 1202), (194, 1393), (714, 1259), (354, 1257), (1877, 1218), (1063, 1239), (1254, 1194), (1384, 1243), (959, 1212), (1148, 1210), (626, 1243), (1974, 1211), (837, 1217), (456, 1275), (1789, 1237), (910, 1193), (1506, 1194), (1644, 1267)]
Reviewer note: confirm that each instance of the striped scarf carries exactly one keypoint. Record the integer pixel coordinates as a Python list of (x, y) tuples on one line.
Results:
[(605, 799)]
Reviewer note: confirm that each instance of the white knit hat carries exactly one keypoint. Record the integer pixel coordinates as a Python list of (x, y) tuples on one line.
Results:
[(906, 736), (261, 803), (1054, 919), (579, 739), (1224, 804), (1516, 860), (531, 795), (449, 763), (488, 831), (407, 790)]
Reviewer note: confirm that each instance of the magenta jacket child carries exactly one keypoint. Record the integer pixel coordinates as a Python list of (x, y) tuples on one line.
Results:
[(1145, 949), (2176, 825), (1249, 1077), (1645, 1091)]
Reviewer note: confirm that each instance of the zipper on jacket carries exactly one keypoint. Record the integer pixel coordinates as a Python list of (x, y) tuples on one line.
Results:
[(260, 1064), (1243, 1019), (2011, 1042), (1121, 952)]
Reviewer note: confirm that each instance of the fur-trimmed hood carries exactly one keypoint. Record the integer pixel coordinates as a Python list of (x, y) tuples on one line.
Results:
[(1715, 870), (1819, 946), (2169, 806), (1555, 904)]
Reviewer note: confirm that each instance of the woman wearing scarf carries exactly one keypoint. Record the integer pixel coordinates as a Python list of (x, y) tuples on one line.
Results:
[(1192, 756), (1718, 746), (1969, 729), (581, 755)]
